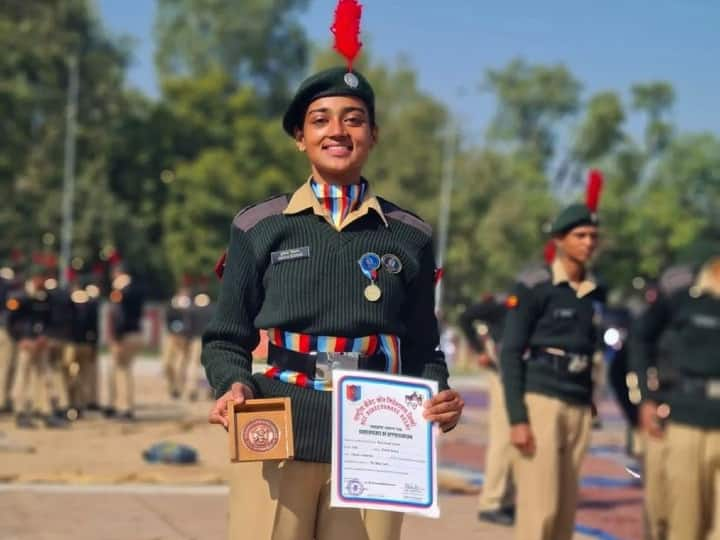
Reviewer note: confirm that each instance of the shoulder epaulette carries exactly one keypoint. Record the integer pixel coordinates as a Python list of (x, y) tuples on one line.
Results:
[(250, 216), (676, 278), (393, 211), (534, 275)]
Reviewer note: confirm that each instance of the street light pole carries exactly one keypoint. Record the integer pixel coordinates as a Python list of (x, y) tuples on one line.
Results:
[(68, 195), (448, 179)]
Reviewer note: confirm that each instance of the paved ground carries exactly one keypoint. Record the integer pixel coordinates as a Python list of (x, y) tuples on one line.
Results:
[(90, 482)]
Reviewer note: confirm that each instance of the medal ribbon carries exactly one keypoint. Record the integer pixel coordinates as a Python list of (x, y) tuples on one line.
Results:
[(305, 343)]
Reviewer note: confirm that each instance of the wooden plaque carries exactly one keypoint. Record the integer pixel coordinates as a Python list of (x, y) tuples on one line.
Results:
[(261, 429)]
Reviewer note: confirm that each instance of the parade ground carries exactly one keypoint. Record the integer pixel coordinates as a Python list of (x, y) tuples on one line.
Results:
[(91, 482)]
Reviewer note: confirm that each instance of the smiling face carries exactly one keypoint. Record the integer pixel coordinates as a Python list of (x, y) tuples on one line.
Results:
[(337, 136)]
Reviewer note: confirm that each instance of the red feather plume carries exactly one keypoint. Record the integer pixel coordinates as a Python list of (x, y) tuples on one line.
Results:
[(594, 189), (549, 251), (346, 28)]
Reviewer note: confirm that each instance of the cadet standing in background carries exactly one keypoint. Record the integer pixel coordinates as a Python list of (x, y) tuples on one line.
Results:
[(482, 324), (548, 343), (176, 345), (201, 315), (6, 343), (59, 330), (126, 340), (82, 350), (689, 306), (29, 317)]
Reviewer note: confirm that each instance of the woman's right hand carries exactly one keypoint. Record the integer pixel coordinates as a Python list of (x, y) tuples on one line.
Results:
[(522, 438), (238, 393)]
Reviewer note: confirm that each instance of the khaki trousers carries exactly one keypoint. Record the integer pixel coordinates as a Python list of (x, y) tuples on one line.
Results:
[(192, 369), (656, 487), (57, 379), (693, 476), (122, 355), (498, 490), (82, 361), (6, 357), (29, 388), (176, 351), (547, 481), (290, 500)]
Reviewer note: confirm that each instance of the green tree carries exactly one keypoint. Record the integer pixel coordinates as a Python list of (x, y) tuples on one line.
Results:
[(655, 99), (531, 99), (256, 42)]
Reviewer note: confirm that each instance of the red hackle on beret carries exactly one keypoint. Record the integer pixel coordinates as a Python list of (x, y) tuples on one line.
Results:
[(594, 189), (346, 28)]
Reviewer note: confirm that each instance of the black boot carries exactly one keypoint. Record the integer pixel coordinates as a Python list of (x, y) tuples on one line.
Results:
[(501, 516)]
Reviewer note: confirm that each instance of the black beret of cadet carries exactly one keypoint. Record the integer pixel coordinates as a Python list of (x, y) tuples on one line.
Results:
[(573, 216), (337, 81)]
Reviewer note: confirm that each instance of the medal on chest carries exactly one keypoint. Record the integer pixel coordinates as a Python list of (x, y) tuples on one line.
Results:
[(369, 264)]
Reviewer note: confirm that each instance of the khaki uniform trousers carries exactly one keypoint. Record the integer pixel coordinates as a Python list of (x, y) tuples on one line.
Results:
[(57, 376), (193, 367), (290, 500), (122, 354), (656, 487), (547, 481), (6, 357), (693, 476), (176, 351), (82, 361), (30, 389), (498, 489)]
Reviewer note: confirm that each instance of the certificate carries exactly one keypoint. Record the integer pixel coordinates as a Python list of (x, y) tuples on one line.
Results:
[(384, 455)]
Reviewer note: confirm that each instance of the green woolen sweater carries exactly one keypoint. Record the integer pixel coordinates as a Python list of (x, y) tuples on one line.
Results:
[(320, 294)]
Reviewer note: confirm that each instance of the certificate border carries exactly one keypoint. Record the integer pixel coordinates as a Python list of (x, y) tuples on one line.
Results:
[(385, 502)]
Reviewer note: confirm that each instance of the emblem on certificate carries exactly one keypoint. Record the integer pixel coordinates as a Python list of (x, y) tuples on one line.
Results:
[(260, 429), (384, 454)]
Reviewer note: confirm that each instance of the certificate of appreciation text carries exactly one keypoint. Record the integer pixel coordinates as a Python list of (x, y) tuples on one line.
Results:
[(384, 455)]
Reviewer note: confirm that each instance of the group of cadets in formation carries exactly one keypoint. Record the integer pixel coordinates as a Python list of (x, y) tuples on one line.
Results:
[(662, 357), (50, 338)]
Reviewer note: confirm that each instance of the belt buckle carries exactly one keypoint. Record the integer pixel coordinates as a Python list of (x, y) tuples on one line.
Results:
[(327, 362), (713, 389), (578, 363)]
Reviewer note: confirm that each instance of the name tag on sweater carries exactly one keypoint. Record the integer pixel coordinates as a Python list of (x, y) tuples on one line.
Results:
[(277, 257), (564, 313), (706, 321)]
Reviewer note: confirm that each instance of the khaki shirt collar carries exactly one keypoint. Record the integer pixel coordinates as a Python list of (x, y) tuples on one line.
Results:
[(559, 275), (304, 198), (706, 283)]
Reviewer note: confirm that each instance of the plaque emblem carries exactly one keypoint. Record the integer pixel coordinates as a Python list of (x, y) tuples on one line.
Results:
[(260, 435)]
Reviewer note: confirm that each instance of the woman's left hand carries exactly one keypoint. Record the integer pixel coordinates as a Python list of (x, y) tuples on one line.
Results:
[(444, 408)]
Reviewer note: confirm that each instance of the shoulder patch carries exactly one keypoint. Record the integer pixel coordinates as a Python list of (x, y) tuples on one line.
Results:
[(676, 278), (392, 211), (248, 217), (534, 275)]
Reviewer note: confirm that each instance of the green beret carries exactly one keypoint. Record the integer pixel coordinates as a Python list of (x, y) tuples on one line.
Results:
[(573, 216), (337, 81)]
